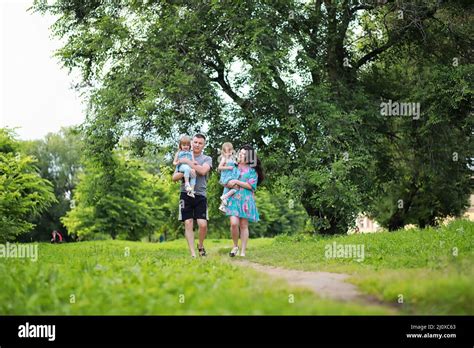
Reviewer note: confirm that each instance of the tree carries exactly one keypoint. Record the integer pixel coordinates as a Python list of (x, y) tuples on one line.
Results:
[(290, 77), (130, 209), (423, 165), (428, 160), (23, 193), (59, 161)]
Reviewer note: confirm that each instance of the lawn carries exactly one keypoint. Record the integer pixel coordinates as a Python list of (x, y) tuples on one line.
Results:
[(430, 270), (134, 278)]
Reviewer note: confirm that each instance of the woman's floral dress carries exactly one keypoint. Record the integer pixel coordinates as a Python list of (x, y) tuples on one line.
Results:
[(242, 203)]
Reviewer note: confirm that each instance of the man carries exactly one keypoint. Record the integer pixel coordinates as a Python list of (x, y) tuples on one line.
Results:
[(190, 208)]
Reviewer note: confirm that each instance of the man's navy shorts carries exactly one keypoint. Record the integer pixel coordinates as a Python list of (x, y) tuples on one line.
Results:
[(192, 208)]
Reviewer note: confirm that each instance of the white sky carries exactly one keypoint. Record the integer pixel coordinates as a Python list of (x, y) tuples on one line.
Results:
[(35, 91)]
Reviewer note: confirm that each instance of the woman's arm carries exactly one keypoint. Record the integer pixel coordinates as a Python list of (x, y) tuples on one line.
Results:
[(243, 184)]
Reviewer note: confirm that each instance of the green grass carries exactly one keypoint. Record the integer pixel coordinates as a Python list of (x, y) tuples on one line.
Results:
[(420, 265), (150, 281)]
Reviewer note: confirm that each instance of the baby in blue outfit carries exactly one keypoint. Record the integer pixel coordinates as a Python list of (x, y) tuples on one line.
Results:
[(229, 171), (184, 151)]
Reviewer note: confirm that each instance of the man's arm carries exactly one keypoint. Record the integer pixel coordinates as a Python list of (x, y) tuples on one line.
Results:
[(177, 176), (201, 170)]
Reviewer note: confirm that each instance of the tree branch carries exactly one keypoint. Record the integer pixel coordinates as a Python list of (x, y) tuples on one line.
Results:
[(394, 39), (371, 55), (361, 7), (219, 68)]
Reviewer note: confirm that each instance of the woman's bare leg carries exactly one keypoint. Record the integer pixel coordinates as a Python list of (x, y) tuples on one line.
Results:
[(234, 229), (244, 235)]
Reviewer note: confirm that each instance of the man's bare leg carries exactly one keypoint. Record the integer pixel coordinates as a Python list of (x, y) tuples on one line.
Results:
[(202, 223), (189, 234)]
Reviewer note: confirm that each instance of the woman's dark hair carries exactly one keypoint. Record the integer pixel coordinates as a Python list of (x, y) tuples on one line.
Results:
[(252, 155)]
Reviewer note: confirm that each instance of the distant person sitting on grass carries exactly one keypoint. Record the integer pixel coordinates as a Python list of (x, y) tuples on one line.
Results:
[(57, 237), (195, 207)]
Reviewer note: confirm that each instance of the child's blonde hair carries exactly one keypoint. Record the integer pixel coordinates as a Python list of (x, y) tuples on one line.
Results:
[(226, 145), (185, 140)]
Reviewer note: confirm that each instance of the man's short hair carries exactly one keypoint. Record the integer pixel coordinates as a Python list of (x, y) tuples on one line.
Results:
[(199, 135)]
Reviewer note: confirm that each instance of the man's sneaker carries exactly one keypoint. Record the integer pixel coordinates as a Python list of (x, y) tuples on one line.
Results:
[(234, 251), (202, 251)]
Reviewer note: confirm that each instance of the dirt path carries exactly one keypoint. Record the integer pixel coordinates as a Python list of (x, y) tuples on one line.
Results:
[(324, 284)]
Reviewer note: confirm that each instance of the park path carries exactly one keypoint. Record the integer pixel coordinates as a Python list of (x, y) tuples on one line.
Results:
[(324, 284)]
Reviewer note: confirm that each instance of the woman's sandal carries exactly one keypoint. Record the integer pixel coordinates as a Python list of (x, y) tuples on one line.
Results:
[(234, 251)]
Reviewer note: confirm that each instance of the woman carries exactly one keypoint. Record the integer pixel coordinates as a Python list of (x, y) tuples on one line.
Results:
[(241, 206)]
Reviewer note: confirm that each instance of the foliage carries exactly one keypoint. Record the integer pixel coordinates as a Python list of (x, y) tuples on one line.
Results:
[(58, 158), (23, 193), (294, 78), (131, 208), (424, 165)]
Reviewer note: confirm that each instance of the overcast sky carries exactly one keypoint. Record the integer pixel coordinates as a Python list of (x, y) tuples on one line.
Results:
[(35, 91)]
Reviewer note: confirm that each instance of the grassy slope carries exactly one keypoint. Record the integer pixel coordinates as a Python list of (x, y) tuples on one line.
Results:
[(148, 282), (420, 265)]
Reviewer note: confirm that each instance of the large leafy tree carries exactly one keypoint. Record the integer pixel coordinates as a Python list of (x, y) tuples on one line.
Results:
[(23, 193), (426, 164), (58, 158), (291, 77), (131, 208), (424, 169)]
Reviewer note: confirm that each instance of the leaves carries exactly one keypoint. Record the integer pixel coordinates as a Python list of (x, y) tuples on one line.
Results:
[(23, 193), (302, 82)]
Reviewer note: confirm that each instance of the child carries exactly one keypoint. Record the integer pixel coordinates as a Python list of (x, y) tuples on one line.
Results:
[(229, 171), (184, 151)]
